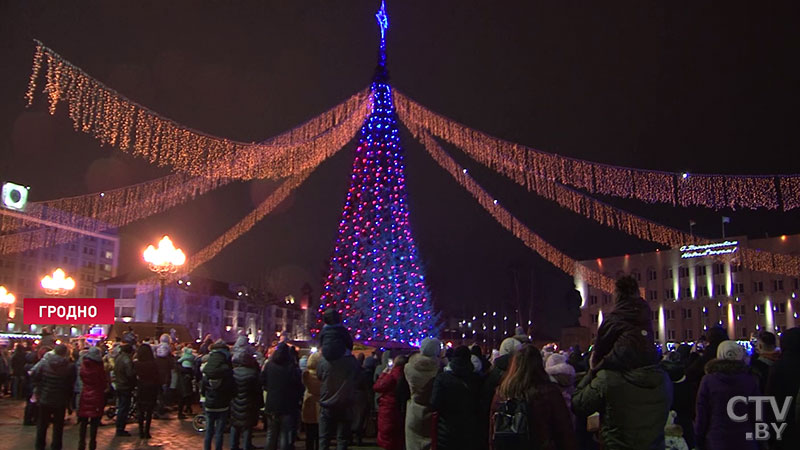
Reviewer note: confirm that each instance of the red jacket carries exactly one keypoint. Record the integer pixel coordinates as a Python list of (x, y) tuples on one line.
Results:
[(391, 429), (95, 381)]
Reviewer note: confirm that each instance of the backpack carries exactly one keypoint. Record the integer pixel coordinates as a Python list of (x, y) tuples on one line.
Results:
[(511, 430)]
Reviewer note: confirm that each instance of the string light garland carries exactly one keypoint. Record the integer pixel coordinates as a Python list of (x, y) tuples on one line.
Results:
[(613, 217), (117, 121), (530, 168), (511, 223)]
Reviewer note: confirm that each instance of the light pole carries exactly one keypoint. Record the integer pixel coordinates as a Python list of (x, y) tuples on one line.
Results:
[(57, 285), (7, 300), (163, 260)]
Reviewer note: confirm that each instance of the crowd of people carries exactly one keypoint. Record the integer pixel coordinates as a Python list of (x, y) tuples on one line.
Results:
[(624, 393)]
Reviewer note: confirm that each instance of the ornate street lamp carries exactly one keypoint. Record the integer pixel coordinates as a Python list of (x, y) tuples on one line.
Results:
[(163, 260), (58, 284)]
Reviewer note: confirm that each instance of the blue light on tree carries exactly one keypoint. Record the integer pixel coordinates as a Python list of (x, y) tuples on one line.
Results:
[(376, 279)]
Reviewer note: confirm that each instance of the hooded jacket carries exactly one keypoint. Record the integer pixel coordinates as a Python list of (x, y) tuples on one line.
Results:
[(248, 398), (784, 381), (54, 377), (281, 379), (713, 429), (455, 397), (95, 381), (218, 384), (339, 379), (124, 376), (420, 372), (310, 411), (625, 339), (633, 406)]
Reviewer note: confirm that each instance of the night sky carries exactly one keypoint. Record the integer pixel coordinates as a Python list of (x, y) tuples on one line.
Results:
[(677, 86)]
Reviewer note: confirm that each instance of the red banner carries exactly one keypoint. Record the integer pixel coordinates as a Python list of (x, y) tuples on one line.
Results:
[(68, 311)]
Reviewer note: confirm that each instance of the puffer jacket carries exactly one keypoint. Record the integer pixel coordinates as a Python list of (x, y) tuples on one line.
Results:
[(310, 410), (95, 381), (248, 398), (713, 429), (54, 378), (633, 406), (455, 397), (391, 433), (339, 379), (148, 382), (218, 384), (124, 376), (420, 371), (281, 379)]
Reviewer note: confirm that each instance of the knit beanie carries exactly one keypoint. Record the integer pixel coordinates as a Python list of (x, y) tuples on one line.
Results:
[(509, 345), (94, 354), (431, 347), (730, 351)]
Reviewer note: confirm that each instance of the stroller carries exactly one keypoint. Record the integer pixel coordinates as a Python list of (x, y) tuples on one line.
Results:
[(111, 410)]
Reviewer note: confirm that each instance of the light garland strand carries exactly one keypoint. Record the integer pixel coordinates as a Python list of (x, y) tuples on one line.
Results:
[(237, 230), (117, 121), (613, 217), (511, 223), (531, 168)]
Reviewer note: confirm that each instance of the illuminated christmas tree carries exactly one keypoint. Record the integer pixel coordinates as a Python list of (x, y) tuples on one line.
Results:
[(376, 279)]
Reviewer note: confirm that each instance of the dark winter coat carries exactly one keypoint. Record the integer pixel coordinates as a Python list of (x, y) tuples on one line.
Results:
[(92, 400), (761, 366), (683, 399), (633, 406), (148, 382), (456, 399), (185, 377), (248, 398), (713, 429), (124, 376), (784, 381), (165, 365), (18, 363), (625, 339), (549, 421), (492, 380), (218, 384), (281, 379), (339, 379), (334, 341), (391, 429), (54, 378)]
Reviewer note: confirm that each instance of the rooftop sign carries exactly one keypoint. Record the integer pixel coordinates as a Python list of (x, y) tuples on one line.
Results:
[(715, 249)]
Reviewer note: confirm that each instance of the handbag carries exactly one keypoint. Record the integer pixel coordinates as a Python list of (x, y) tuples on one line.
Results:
[(593, 423)]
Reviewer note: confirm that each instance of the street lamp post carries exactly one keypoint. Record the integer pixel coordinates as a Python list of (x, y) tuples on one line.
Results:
[(7, 300), (163, 260), (58, 285)]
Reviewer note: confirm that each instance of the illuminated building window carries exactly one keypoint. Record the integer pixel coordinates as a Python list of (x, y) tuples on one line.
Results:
[(687, 292), (669, 294)]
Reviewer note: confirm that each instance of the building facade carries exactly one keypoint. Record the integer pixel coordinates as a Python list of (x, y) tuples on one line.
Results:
[(695, 287), (89, 259)]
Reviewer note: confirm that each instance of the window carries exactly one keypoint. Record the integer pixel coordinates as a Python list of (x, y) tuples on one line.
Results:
[(700, 270), (129, 292), (652, 274), (89, 264), (718, 268), (735, 268), (655, 315), (687, 292), (738, 288), (758, 286), (744, 333), (687, 335), (762, 308), (127, 311), (228, 321), (782, 308), (108, 255), (687, 313), (606, 299), (669, 294), (229, 305), (683, 271), (671, 334), (703, 291), (106, 267), (592, 300), (777, 285), (670, 314), (652, 295), (740, 310), (668, 272)]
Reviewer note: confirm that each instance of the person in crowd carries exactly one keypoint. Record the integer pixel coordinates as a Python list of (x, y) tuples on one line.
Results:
[(124, 384), (53, 378), (548, 419), (391, 432), (5, 371), (727, 376), (420, 372), (494, 376), (625, 339), (783, 383), (380, 368), (92, 400), (166, 364), (185, 386), (563, 375), (625, 383), (281, 379), (217, 388), (31, 408), (766, 348), (18, 371), (476, 351), (696, 370), (205, 347), (148, 384), (310, 410), (334, 340), (455, 398), (683, 400), (364, 398), (336, 397), (247, 400)]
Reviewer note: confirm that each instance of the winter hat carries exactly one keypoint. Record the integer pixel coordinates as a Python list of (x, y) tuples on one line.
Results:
[(219, 343), (60, 350), (730, 351), (313, 361), (555, 359), (94, 354), (187, 351), (477, 363), (242, 340), (331, 316), (431, 347), (509, 345), (165, 339)]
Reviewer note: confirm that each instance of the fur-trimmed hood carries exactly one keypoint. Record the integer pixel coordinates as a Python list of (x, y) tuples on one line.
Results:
[(726, 366), (563, 374)]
